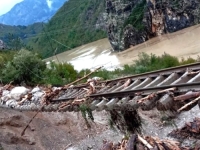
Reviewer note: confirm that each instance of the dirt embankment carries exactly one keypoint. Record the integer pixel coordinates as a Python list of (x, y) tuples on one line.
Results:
[(68, 131), (48, 131)]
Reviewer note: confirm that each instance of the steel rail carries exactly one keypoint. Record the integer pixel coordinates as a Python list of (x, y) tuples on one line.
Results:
[(178, 69), (144, 91)]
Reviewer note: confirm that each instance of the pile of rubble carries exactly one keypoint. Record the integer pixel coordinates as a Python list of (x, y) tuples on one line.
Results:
[(190, 130), (22, 98), (136, 142), (33, 98)]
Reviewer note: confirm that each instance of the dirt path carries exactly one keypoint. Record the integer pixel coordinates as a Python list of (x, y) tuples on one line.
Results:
[(184, 43)]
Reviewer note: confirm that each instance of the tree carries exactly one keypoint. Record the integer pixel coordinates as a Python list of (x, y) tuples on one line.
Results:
[(25, 67)]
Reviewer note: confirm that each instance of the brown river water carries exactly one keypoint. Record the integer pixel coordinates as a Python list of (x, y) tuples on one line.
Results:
[(184, 43)]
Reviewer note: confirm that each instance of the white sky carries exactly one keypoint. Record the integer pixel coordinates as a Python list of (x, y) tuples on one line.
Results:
[(6, 5)]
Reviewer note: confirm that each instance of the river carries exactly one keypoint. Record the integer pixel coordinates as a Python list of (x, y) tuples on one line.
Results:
[(184, 43)]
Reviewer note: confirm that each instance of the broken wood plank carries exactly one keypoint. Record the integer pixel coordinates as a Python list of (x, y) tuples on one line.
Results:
[(146, 98), (166, 90), (187, 96), (188, 104), (127, 83), (144, 142), (23, 132), (66, 86)]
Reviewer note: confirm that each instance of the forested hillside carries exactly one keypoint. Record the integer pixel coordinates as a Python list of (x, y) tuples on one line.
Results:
[(15, 35), (76, 23)]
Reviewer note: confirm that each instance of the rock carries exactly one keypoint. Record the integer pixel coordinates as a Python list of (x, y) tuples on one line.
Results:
[(11, 103), (31, 142), (2, 45), (90, 147), (37, 96), (5, 96), (56, 88), (17, 92), (97, 78), (36, 89), (5, 92), (33, 106), (197, 145), (132, 22)]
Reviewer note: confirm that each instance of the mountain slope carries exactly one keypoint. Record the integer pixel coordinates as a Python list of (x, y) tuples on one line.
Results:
[(77, 22), (24, 33), (31, 11), (132, 22)]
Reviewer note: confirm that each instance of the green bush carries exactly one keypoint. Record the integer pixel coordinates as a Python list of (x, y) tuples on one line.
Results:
[(25, 67), (187, 61), (146, 63), (6, 56), (136, 16), (59, 74)]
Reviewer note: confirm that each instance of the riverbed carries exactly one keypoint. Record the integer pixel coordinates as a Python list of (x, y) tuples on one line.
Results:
[(182, 44)]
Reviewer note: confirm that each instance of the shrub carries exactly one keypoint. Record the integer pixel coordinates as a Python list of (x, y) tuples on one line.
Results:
[(168, 61), (59, 74), (187, 61), (146, 63), (25, 67)]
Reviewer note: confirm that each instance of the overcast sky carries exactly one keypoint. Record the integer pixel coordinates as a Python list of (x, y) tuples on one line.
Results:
[(6, 5)]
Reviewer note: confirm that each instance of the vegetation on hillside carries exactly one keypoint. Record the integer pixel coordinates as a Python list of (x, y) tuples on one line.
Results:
[(27, 67), (17, 37), (136, 16), (72, 26)]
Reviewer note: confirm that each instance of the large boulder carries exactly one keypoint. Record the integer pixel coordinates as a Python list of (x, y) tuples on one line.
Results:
[(18, 92)]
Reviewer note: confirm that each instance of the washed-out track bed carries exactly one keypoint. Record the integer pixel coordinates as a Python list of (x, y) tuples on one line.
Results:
[(167, 89)]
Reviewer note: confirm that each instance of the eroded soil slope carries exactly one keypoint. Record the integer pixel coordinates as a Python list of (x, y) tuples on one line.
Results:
[(48, 131)]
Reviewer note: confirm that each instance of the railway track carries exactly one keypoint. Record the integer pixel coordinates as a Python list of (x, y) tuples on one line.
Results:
[(167, 89)]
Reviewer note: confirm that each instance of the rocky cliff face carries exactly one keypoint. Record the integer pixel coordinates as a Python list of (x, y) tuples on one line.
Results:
[(30, 11), (131, 22), (2, 45)]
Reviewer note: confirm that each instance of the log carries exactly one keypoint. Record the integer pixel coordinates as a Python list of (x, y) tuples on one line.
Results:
[(165, 103), (127, 83), (132, 104), (143, 141), (66, 86), (166, 90), (188, 104), (150, 103), (78, 101), (146, 98), (193, 73), (187, 96), (23, 132), (131, 142)]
